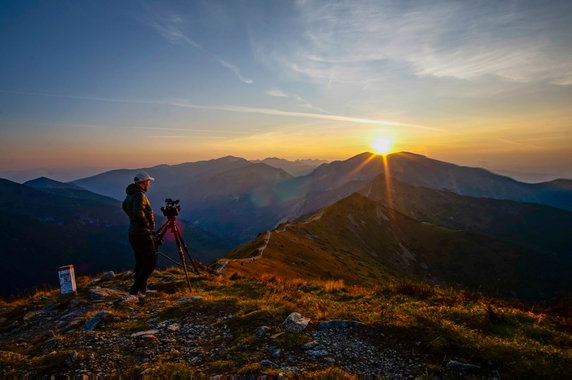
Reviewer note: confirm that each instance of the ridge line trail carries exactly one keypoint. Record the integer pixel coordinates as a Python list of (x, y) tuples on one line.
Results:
[(224, 262)]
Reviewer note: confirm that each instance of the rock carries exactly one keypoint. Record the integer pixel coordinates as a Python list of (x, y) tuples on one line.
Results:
[(150, 337), (31, 314), (276, 352), (189, 299), (92, 323), (462, 367), (71, 358), (276, 335), (100, 294), (268, 364), (174, 327), (317, 353), (261, 331), (339, 325), (142, 333), (311, 345), (295, 323), (330, 361), (107, 276)]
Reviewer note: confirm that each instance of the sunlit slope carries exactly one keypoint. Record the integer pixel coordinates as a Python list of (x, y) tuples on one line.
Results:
[(363, 242)]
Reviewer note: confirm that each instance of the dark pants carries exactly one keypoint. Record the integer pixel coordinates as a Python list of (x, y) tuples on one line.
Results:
[(145, 261)]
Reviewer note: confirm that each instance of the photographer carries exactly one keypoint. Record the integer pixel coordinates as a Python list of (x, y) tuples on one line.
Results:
[(141, 228)]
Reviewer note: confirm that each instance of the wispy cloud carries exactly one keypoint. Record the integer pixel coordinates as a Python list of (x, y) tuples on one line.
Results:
[(235, 70), (296, 98), (520, 41), (235, 108), (172, 28)]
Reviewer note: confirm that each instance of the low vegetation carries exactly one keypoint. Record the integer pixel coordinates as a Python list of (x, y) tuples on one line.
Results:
[(505, 339)]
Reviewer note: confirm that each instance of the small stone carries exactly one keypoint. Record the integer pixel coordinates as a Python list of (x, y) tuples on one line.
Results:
[(189, 299), (261, 331), (142, 333), (330, 361), (100, 294), (31, 314), (92, 323), (174, 327), (460, 366), (150, 337), (107, 276), (311, 345), (317, 353), (295, 323), (71, 358), (268, 364)]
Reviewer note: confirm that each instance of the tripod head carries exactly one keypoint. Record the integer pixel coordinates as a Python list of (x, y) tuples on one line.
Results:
[(171, 209)]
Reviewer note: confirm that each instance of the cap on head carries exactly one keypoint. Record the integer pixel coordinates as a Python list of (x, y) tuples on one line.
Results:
[(142, 177)]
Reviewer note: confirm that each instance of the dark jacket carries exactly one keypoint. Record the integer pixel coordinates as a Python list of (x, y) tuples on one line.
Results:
[(137, 207)]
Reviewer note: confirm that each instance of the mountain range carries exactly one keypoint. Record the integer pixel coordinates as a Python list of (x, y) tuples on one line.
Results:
[(228, 201), (364, 242)]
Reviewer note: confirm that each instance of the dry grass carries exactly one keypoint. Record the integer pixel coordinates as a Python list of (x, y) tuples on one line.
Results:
[(444, 324)]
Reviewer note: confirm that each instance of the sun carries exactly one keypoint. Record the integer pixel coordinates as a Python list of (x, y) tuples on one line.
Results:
[(381, 145)]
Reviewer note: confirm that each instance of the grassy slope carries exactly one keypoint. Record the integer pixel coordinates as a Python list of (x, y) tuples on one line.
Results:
[(507, 340), (362, 242)]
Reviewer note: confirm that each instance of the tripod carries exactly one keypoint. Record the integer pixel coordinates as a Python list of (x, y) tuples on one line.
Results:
[(170, 225)]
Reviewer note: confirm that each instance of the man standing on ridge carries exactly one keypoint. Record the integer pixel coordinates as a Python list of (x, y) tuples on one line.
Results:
[(141, 228)]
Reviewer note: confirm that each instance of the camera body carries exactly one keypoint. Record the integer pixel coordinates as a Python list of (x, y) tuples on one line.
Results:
[(171, 209)]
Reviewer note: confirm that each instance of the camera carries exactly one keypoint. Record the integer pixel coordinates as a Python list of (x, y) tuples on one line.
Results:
[(171, 209)]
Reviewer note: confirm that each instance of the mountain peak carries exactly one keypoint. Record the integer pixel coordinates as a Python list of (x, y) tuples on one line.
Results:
[(48, 183)]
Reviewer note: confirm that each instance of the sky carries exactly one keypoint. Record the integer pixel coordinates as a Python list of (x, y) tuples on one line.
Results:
[(113, 84)]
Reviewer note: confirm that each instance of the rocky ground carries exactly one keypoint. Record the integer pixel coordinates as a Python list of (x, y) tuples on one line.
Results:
[(102, 332)]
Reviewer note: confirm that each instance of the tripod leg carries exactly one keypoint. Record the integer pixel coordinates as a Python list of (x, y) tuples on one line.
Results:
[(186, 249), (181, 255), (160, 234)]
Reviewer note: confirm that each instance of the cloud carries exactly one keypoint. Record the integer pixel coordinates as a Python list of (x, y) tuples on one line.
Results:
[(276, 93), (297, 99), (235, 70), (172, 28), (340, 42), (234, 108)]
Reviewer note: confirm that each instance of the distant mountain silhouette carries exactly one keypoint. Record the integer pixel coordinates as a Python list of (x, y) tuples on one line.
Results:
[(47, 224), (233, 199), (225, 197), (364, 242), (295, 168), (43, 230)]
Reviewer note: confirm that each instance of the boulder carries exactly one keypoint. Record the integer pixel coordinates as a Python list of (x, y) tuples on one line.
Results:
[(295, 323)]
